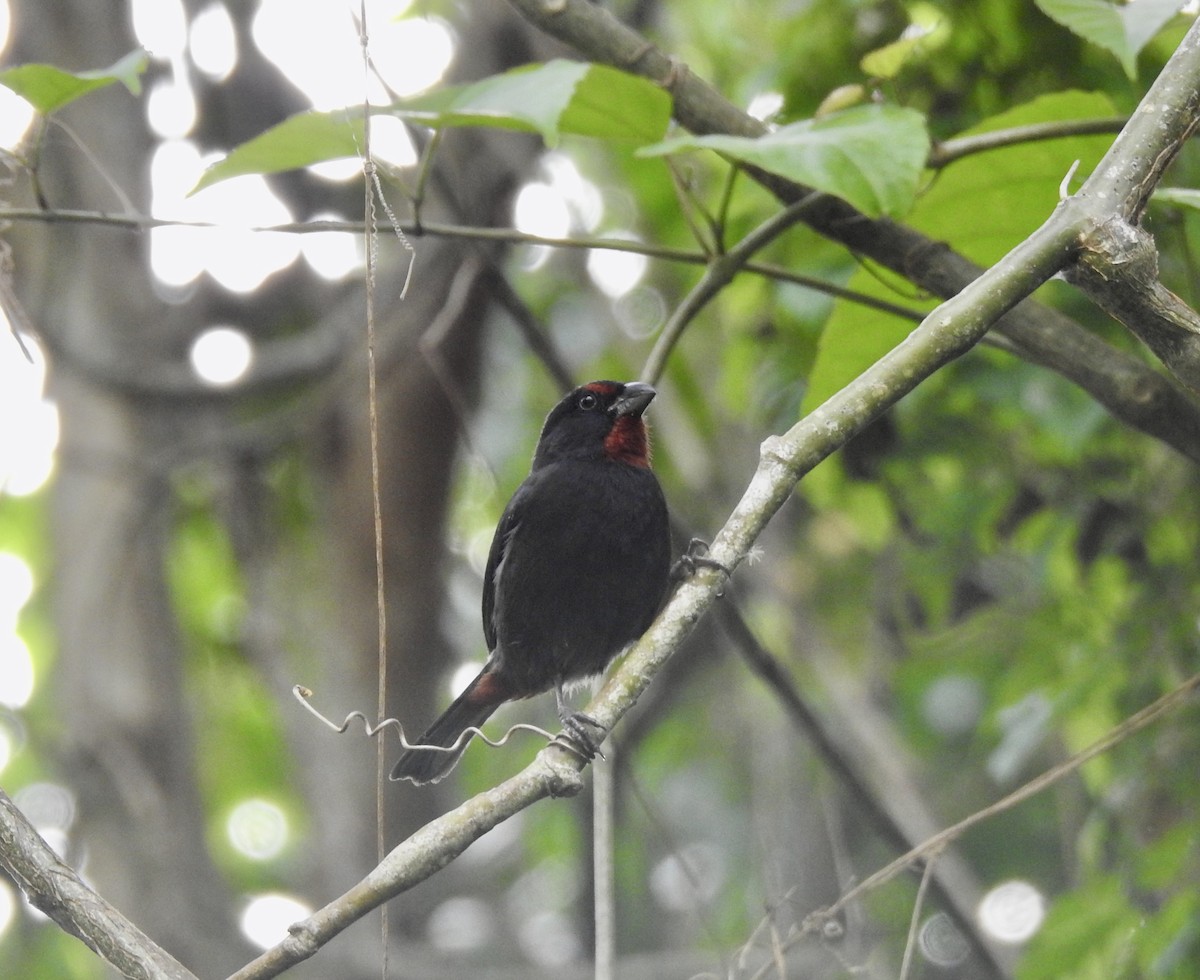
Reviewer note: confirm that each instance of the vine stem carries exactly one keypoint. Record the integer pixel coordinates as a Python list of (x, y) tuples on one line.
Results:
[(1173, 699)]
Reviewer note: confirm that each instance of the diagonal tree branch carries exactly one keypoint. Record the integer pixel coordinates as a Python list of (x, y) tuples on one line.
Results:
[(1132, 391), (53, 887), (947, 332), (1118, 270), (717, 275)]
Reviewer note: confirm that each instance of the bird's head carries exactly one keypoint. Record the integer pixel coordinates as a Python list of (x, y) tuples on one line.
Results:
[(598, 420)]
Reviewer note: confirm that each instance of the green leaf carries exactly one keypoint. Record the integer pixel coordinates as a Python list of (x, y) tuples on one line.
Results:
[(1086, 929), (856, 336), (48, 88), (928, 31), (1180, 197), (1123, 29), (871, 156), (983, 205), (299, 141), (887, 61), (555, 99)]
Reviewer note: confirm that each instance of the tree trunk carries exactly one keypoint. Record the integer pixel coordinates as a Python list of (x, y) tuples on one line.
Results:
[(133, 421)]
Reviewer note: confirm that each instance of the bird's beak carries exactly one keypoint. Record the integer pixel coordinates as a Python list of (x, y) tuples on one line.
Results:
[(634, 399)]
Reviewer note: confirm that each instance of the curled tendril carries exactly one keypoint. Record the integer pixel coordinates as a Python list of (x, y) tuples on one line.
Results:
[(304, 694)]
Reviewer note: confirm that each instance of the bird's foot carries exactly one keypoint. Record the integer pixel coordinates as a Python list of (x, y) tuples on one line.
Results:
[(582, 735), (695, 556)]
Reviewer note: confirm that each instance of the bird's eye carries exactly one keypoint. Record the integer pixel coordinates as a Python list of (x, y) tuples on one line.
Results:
[(588, 401)]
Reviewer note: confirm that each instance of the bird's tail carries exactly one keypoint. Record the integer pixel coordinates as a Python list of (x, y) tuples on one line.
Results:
[(470, 710)]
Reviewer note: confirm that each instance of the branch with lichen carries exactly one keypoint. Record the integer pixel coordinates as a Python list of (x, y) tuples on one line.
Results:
[(53, 887), (1118, 270)]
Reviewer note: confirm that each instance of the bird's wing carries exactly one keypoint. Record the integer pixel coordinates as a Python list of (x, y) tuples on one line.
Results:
[(509, 521)]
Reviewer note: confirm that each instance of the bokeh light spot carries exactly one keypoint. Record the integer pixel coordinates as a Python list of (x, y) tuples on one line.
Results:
[(221, 356), (332, 255), (26, 450), (541, 210), (234, 253), (941, 942), (16, 116), (391, 142), (549, 939), (952, 704), (266, 918), (690, 878), (412, 53), (8, 907), (171, 109), (461, 924), (258, 829), (16, 586), (160, 26), (616, 273), (48, 806), (16, 672), (212, 42), (1012, 912)]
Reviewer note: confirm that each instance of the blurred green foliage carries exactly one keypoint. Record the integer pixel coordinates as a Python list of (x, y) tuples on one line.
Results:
[(997, 540)]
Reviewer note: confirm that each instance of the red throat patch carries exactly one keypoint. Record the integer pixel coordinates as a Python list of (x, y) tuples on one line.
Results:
[(627, 442)]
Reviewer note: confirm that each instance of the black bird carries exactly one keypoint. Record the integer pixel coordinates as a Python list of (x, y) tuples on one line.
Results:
[(577, 571)]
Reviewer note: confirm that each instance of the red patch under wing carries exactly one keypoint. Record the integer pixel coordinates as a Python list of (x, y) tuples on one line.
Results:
[(488, 689)]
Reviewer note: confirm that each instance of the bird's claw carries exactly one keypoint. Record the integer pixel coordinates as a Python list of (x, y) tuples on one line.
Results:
[(695, 557), (581, 736)]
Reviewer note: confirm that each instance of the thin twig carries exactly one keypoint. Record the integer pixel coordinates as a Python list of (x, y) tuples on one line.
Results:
[(424, 170), (720, 271), (910, 943), (938, 842), (92, 158), (432, 342), (1132, 391), (604, 902), (509, 236), (690, 208), (946, 152), (530, 329)]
